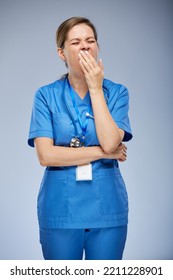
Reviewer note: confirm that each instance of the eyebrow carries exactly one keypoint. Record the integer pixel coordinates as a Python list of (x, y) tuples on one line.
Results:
[(78, 39)]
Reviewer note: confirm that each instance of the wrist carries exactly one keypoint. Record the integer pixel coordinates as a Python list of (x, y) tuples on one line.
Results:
[(101, 152), (96, 92)]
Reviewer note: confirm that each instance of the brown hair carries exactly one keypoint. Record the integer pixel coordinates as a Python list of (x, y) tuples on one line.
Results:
[(67, 25)]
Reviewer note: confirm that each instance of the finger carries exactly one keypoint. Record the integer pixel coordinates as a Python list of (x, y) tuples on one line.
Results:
[(84, 69), (86, 63), (100, 64), (124, 146), (122, 159), (125, 153), (89, 58)]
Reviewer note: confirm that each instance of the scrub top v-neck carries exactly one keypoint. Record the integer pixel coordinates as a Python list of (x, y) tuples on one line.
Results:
[(64, 202)]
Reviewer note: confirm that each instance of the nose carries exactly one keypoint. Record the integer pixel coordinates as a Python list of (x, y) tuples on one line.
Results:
[(84, 46)]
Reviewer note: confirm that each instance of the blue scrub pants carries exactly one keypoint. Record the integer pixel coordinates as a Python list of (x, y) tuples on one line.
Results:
[(69, 244)]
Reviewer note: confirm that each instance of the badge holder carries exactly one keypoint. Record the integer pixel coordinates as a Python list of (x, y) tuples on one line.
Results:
[(84, 172)]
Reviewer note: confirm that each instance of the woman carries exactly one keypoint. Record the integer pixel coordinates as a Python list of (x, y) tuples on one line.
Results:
[(78, 124)]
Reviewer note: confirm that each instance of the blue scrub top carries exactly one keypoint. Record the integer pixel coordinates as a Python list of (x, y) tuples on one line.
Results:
[(64, 202)]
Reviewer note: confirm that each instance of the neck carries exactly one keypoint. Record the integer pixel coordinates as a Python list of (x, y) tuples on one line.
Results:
[(79, 84)]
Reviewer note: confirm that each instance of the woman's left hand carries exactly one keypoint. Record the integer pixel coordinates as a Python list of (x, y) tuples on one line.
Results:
[(92, 70)]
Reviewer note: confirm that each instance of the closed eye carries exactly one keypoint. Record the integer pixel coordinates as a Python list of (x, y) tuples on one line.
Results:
[(91, 41), (88, 41), (75, 43)]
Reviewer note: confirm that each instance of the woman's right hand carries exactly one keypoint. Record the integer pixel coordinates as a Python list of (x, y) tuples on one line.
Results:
[(120, 153)]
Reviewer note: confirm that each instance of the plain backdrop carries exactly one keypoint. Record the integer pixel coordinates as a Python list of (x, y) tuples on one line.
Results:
[(136, 43)]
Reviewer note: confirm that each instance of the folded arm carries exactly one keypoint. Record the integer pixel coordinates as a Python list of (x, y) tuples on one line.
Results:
[(51, 155)]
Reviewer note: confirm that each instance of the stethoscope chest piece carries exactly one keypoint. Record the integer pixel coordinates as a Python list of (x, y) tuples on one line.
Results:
[(75, 142)]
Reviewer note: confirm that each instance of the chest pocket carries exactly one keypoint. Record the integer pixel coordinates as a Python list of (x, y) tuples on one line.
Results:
[(63, 128)]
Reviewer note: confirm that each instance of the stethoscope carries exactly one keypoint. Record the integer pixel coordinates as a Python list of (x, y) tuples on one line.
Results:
[(76, 141)]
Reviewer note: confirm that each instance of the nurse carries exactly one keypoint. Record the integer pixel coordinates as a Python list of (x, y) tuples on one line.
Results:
[(77, 126)]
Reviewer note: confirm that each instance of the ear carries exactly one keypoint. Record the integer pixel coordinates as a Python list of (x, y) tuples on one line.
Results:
[(60, 52)]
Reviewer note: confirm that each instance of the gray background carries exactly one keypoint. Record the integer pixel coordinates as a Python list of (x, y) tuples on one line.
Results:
[(135, 38)]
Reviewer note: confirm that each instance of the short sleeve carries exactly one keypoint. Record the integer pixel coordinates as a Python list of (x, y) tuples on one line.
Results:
[(41, 120), (119, 112)]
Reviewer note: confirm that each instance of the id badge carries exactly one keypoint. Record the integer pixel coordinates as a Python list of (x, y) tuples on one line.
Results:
[(84, 172)]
